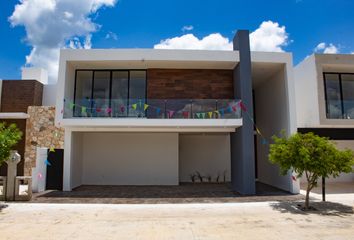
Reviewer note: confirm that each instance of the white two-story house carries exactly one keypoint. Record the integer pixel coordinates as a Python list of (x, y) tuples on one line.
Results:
[(156, 117)]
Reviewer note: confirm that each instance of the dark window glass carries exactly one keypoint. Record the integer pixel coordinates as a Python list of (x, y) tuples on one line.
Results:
[(120, 93), (83, 91), (137, 91), (110, 93), (333, 93), (348, 95), (101, 90)]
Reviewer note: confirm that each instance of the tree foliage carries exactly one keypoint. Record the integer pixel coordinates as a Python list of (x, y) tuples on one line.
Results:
[(9, 137), (310, 155)]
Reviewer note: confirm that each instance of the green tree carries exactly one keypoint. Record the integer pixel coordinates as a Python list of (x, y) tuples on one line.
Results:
[(9, 137), (310, 155)]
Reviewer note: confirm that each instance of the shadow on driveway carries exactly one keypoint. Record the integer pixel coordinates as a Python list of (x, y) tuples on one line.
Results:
[(321, 208), (2, 206)]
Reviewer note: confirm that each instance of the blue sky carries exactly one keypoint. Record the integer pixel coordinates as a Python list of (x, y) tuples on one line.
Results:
[(293, 25)]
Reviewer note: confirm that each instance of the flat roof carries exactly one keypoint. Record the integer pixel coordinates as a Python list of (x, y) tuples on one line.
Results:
[(149, 58)]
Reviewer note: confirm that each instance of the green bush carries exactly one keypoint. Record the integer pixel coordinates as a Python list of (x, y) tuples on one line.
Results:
[(9, 137)]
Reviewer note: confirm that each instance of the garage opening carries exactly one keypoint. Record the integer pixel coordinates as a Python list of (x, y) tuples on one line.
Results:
[(204, 157), (101, 158)]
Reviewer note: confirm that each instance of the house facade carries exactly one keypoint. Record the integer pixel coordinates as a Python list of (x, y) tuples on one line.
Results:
[(324, 86), (158, 117)]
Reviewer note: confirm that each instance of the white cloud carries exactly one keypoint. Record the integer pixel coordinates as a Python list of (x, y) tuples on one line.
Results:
[(320, 47), (111, 35), (54, 24), (214, 41), (268, 37), (187, 28), (326, 48)]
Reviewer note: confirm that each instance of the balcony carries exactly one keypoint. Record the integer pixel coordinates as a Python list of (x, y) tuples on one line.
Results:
[(153, 113)]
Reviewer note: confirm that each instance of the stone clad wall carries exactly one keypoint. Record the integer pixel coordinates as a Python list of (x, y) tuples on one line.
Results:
[(41, 132)]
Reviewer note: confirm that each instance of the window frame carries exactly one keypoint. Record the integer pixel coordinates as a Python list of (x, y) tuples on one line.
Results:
[(340, 91)]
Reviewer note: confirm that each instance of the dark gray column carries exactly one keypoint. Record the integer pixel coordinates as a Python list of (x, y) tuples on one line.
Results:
[(242, 141)]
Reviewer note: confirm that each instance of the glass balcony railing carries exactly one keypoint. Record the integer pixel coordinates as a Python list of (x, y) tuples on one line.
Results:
[(153, 108)]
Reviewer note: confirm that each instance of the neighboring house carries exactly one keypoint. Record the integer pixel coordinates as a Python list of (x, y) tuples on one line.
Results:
[(324, 86), (154, 117), (15, 97)]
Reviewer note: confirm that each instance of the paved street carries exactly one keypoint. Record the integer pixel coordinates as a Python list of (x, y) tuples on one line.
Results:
[(264, 220)]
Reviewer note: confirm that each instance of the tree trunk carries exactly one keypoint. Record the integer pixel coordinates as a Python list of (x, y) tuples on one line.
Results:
[(307, 199), (310, 185)]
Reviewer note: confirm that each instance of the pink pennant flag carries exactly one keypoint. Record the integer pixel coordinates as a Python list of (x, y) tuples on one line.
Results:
[(122, 108), (234, 108), (243, 107), (109, 110), (170, 114)]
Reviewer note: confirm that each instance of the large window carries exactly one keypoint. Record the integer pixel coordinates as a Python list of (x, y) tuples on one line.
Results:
[(109, 93), (120, 84), (101, 93), (339, 91), (83, 92)]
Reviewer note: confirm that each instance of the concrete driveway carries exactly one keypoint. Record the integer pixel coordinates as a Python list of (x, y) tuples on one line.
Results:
[(264, 220)]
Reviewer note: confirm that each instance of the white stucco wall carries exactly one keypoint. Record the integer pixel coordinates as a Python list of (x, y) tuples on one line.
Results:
[(272, 116), (130, 158), (306, 92), (32, 73), (76, 159), (49, 95), (207, 153), (344, 177)]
